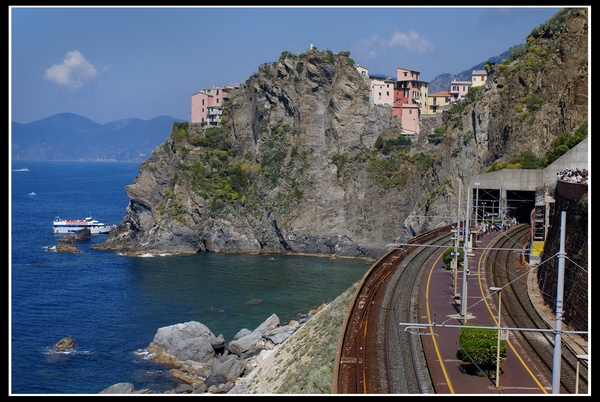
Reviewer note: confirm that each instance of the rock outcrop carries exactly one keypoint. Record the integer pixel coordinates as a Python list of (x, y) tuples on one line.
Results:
[(303, 163), (206, 363), (68, 244), (65, 343)]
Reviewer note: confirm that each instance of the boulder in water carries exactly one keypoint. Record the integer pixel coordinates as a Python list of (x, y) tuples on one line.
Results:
[(65, 343)]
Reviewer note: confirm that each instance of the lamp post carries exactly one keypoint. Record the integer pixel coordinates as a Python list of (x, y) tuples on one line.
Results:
[(477, 203), (484, 222), (499, 290), (454, 262)]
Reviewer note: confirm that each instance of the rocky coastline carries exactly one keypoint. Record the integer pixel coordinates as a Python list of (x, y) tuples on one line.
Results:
[(206, 363)]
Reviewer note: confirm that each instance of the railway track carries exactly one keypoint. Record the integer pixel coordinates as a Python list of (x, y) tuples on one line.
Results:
[(372, 353), (506, 270), (376, 356)]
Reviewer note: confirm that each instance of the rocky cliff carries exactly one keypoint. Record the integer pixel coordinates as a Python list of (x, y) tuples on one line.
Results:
[(527, 103), (304, 164)]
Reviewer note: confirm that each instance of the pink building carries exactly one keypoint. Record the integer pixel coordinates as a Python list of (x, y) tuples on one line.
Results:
[(410, 99), (409, 119), (207, 105), (382, 89), (458, 90)]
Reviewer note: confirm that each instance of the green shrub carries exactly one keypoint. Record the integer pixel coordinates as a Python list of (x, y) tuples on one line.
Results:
[(179, 134), (527, 160), (447, 257), (480, 346), (564, 142)]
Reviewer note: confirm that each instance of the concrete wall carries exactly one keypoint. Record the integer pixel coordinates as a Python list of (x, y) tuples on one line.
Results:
[(529, 179), (577, 157), (511, 179)]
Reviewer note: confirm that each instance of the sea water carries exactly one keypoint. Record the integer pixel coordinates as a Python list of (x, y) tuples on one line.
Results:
[(112, 305)]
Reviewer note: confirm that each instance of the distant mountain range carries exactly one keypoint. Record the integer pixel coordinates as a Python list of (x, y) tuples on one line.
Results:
[(70, 137), (442, 82)]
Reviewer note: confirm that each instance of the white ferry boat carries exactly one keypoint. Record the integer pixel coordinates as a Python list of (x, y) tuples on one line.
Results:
[(73, 225)]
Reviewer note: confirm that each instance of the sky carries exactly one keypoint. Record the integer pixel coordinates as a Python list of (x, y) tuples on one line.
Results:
[(113, 63)]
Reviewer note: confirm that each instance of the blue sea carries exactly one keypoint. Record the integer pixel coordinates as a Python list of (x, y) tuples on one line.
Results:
[(112, 305)]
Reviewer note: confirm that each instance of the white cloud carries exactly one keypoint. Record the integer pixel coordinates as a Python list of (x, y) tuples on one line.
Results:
[(374, 47), (413, 42), (367, 48), (72, 73)]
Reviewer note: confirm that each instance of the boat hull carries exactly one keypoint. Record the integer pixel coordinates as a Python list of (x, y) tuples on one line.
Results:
[(94, 230)]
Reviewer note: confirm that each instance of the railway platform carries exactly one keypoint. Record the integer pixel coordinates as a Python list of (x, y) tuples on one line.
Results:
[(437, 303)]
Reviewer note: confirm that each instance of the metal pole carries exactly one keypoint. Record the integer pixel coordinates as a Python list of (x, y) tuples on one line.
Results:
[(559, 305), (483, 218), (577, 378), (466, 259), (455, 268), (500, 201), (498, 347), (477, 202), (499, 290)]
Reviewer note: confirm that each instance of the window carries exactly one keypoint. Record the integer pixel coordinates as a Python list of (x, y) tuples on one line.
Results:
[(405, 73), (203, 102), (217, 100), (202, 110), (435, 101), (388, 93), (410, 111), (217, 91)]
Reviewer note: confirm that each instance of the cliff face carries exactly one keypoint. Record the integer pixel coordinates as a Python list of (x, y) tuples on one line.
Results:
[(525, 105), (304, 164)]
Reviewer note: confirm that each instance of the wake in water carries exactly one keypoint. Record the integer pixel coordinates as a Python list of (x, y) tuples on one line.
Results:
[(143, 354)]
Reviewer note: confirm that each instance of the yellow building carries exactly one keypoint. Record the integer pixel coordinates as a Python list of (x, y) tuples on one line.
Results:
[(478, 78), (438, 100)]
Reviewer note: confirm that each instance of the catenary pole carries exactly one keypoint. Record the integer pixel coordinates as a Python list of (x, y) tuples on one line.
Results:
[(456, 234), (556, 358), (465, 258)]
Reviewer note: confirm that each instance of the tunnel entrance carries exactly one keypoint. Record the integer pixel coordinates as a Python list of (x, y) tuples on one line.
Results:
[(487, 203), (519, 205)]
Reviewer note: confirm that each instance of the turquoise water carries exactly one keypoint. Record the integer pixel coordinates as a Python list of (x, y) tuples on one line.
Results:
[(112, 305)]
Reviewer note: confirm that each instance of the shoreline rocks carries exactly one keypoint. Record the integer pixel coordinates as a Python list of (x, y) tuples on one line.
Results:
[(68, 243), (206, 363)]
